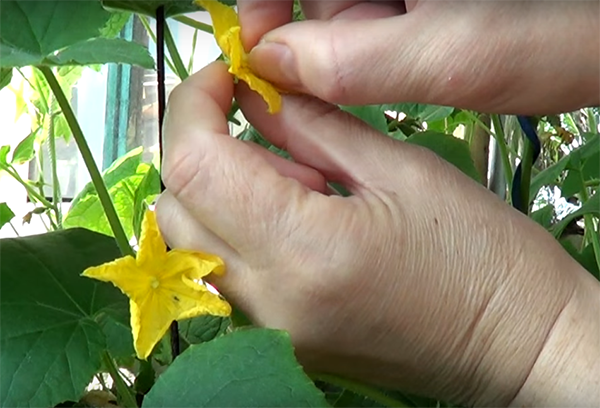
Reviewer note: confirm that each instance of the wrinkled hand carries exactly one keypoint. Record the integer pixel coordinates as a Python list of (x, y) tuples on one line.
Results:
[(421, 279), (521, 57)]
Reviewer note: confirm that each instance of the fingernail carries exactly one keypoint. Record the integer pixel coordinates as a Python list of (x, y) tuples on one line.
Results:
[(275, 62)]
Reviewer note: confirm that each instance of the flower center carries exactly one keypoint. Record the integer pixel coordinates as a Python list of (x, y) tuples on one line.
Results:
[(155, 283)]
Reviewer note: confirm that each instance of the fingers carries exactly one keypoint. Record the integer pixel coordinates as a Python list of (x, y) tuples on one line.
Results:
[(318, 135), (351, 9), (221, 181), (354, 61), (308, 176), (181, 231), (258, 17)]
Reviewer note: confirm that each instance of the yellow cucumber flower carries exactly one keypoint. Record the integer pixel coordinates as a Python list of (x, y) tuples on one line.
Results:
[(162, 286), (227, 28)]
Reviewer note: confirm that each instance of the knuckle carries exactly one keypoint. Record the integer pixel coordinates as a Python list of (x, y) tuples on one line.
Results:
[(330, 74), (181, 170)]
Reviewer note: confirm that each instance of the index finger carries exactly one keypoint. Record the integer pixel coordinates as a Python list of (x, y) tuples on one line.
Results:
[(258, 17)]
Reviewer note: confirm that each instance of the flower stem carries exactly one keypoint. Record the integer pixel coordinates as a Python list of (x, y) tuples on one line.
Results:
[(88, 159), (56, 194), (362, 389), (125, 394)]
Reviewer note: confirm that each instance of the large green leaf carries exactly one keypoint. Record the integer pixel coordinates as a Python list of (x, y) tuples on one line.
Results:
[(50, 342), (32, 31), (448, 147), (202, 328), (103, 50), (581, 170), (6, 214), (149, 7), (247, 368)]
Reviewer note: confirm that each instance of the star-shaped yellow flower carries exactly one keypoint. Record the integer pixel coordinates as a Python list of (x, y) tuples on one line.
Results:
[(162, 286), (227, 28)]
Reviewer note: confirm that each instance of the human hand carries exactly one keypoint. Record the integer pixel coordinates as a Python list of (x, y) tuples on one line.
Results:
[(518, 57), (422, 279)]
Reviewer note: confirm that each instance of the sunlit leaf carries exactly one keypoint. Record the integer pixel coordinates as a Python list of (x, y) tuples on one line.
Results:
[(247, 368)]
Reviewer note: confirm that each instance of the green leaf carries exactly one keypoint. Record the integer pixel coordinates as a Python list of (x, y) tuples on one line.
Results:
[(202, 328), (31, 31), (551, 174), (6, 214), (581, 170), (370, 114), (148, 188), (122, 179), (247, 368), (4, 150), (116, 328), (591, 206), (5, 76), (50, 343), (424, 113), (115, 24), (586, 258), (149, 7), (448, 147), (544, 216), (102, 51), (25, 150)]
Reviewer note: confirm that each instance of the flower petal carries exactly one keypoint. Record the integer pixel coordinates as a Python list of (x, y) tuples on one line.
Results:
[(152, 246), (124, 274), (263, 88), (223, 18), (172, 300), (150, 320), (194, 264)]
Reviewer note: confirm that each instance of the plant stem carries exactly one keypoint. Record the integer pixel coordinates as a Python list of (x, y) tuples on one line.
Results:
[(180, 69), (207, 28), (56, 195), (30, 190), (362, 389), (126, 396), (14, 229), (501, 141), (526, 166), (88, 159)]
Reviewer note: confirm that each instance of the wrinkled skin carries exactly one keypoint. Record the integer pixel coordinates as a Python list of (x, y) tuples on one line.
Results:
[(518, 57), (421, 280)]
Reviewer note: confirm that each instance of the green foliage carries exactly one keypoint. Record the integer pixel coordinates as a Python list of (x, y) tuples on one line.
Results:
[(24, 151), (51, 342), (451, 149), (149, 7), (31, 32), (249, 367), (6, 214), (56, 327), (130, 182), (5, 76)]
